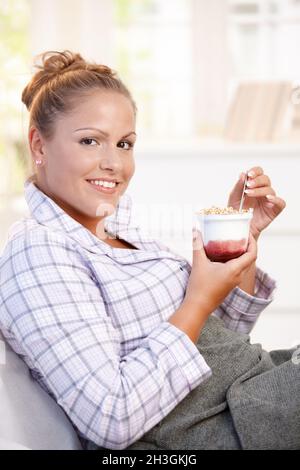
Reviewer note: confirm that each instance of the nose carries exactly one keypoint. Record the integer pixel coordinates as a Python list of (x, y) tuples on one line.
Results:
[(110, 159)]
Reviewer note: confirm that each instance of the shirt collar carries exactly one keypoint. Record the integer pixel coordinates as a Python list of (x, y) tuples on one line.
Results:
[(46, 212)]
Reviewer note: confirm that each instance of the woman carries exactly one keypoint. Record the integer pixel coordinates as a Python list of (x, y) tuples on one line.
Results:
[(139, 348)]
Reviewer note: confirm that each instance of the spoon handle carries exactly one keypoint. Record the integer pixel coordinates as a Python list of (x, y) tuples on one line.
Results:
[(243, 194)]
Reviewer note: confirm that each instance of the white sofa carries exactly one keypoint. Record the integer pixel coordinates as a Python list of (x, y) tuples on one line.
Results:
[(29, 417)]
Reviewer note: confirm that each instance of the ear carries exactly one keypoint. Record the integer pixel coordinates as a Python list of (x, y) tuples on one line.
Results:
[(36, 144)]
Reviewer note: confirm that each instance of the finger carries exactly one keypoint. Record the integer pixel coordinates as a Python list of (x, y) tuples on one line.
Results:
[(244, 261), (276, 202), (259, 182), (237, 190), (198, 242), (260, 192), (252, 245), (242, 177), (255, 171)]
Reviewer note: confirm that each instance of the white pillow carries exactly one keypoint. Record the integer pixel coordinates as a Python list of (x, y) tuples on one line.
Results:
[(29, 417), (9, 445)]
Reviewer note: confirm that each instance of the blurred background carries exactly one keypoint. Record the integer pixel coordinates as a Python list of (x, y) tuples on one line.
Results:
[(217, 86)]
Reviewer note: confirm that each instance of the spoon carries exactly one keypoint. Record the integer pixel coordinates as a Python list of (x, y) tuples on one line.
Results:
[(243, 194)]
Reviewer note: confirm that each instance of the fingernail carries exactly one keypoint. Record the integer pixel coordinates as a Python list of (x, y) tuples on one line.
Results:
[(250, 183), (249, 191), (251, 174), (270, 196)]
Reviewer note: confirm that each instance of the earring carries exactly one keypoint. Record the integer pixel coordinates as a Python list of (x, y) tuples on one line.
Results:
[(38, 162)]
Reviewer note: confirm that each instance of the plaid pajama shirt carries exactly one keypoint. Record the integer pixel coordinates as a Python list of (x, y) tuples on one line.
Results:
[(91, 320)]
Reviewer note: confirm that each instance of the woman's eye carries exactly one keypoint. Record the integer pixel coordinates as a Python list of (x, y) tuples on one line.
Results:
[(129, 144), (88, 141)]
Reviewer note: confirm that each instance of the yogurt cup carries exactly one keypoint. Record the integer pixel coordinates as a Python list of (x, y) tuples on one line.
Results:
[(225, 236)]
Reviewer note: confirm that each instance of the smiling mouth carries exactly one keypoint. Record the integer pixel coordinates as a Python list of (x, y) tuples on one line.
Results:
[(103, 189)]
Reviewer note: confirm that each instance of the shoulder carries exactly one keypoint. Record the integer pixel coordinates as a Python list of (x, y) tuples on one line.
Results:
[(27, 232), (30, 243)]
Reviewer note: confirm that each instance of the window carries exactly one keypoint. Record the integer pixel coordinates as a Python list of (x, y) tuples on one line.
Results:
[(153, 54), (263, 38), (14, 57)]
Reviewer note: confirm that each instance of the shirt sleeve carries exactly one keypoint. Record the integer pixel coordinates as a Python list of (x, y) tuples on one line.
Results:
[(60, 318), (240, 310)]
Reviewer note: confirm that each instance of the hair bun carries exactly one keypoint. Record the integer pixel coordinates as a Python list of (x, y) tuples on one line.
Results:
[(52, 66), (54, 61)]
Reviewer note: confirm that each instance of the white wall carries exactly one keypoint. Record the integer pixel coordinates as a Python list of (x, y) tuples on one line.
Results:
[(83, 26)]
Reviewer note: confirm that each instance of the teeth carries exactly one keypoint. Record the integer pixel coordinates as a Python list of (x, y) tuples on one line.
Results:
[(106, 184)]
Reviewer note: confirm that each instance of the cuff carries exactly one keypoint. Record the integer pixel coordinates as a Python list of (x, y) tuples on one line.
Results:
[(247, 304), (170, 340), (240, 310), (264, 285)]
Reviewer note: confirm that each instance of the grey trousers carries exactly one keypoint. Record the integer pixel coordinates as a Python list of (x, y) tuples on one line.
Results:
[(251, 401)]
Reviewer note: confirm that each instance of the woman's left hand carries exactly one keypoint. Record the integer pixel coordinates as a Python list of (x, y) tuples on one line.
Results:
[(265, 210)]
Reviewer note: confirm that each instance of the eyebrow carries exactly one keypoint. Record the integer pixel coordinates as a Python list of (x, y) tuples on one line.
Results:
[(101, 132)]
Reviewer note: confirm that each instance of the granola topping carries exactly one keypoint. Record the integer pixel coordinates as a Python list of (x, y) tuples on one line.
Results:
[(222, 211)]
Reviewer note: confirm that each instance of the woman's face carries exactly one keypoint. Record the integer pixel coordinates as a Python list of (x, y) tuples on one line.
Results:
[(94, 142)]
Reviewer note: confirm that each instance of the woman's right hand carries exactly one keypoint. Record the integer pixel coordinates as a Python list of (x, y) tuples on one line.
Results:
[(210, 282)]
